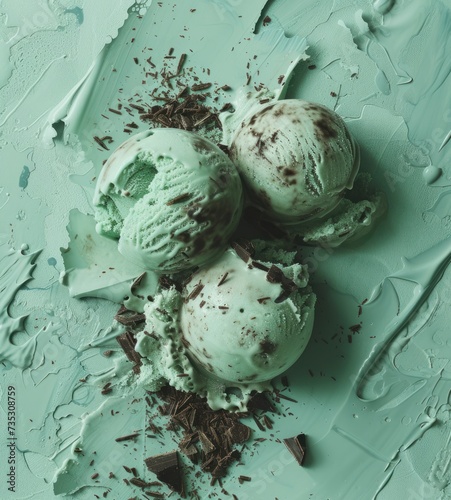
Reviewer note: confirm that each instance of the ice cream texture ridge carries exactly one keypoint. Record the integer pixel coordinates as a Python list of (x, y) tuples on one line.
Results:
[(171, 197), (225, 240)]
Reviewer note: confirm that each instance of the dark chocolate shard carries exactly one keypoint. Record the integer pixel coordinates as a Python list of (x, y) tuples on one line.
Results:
[(127, 341), (209, 437), (223, 278), (129, 437), (260, 402), (207, 445), (244, 249), (168, 470), (200, 86), (239, 433), (259, 265), (166, 282), (297, 447), (179, 199), (130, 319), (275, 274), (196, 291)]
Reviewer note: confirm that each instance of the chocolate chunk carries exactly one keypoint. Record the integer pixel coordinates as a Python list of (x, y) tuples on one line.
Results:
[(275, 274), (297, 447), (259, 401), (168, 470), (244, 249)]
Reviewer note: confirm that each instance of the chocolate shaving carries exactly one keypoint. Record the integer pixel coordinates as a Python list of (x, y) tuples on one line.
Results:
[(223, 278), (244, 249), (259, 401), (166, 282), (196, 291), (101, 143), (139, 482), (257, 421), (297, 447), (209, 436), (127, 341), (200, 86), (179, 199), (168, 470), (132, 319), (129, 437), (180, 64), (259, 265), (275, 274)]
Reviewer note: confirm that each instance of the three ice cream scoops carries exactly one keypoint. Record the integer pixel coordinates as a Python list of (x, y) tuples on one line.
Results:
[(244, 310)]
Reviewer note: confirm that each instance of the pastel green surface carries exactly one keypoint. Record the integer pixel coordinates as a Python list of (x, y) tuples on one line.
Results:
[(373, 401)]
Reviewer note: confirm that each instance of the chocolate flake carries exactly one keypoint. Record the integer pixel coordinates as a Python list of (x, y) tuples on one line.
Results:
[(127, 341), (179, 199), (209, 436), (139, 482), (101, 143), (259, 401), (244, 249), (287, 398), (196, 291), (180, 64), (168, 470), (259, 265), (223, 278), (166, 282), (200, 86), (129, 437), (297, 447)]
